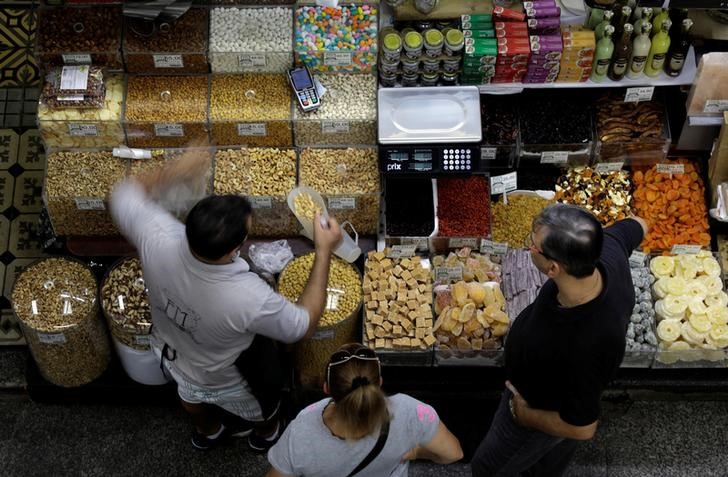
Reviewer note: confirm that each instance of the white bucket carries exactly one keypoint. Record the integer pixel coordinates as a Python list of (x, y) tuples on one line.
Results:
[(141, 366)]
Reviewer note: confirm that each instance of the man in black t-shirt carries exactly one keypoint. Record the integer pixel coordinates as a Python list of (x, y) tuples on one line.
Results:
[(565, 347)]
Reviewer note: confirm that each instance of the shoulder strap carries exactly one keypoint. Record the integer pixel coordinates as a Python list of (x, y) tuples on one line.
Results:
[(378, 446)]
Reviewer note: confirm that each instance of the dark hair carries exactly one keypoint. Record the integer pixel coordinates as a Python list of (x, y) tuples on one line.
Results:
[(217, 224), (573, 238), (361, 405)]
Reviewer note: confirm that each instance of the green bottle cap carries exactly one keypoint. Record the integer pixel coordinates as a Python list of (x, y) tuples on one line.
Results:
[(392, 41), (454, 37), (433, 37), (413, 39)]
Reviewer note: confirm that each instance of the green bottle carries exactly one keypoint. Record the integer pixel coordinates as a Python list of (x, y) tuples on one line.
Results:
[(645, 17), (658, 50), (640, 49), (599, 30), (596, 15), (660, 15), (603, 55)]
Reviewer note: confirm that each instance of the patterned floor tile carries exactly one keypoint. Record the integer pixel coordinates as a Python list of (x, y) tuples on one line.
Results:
[(31, 154), (4, 237), (25, 238), (6, 190), (28, 192), (19, 68), (17, 27), (10, 334), (8, 148), (12, 271)]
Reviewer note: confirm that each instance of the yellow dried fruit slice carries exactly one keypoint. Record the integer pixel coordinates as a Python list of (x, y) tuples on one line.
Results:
[(678, 346), (460, 292), (662, 266), (675, 305), (691, 335), (696, 289), (476, 292), (668, 330), (467, 313), (677, 286), (711, 267), (713, 285), (717, 314), (499, 330), (660, 287), (719, 299), (697, 307), (700, 322)]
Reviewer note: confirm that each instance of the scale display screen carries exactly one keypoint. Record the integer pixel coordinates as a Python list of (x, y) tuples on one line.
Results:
[(428, 159), (398, 156), (423, 155)]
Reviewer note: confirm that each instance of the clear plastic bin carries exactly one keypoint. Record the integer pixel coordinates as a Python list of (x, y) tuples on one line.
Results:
[(265, 176), (408, 211), (347, 116), (166, 111), (251, 110), (314, 48), (348, 180), (709, 93), (177, 47), (499, 119), (79, 36), (86, 128), (125, 303), (251, 39), (75, 190), (463, 210), (641, 354)]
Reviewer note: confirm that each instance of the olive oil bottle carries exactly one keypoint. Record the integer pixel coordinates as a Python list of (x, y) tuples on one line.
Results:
[(658, 50)]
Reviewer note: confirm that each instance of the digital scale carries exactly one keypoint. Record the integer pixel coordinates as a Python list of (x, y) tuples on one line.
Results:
[(430, 130)]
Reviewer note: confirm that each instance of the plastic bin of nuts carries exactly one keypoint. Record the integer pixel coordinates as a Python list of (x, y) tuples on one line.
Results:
[(265, 176), (54, 300), (79, 36), (337, 39), (251, 39), (499, 148), (347, 116), (75, 190), (339, 322), (251, 110), (348, 180), (72, 127), (175, 47), (166, 111)]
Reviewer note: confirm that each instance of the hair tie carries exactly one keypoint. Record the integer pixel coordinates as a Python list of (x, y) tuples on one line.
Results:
[(358, 382)]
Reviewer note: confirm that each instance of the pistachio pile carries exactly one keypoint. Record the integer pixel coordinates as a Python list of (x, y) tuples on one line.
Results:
[(606, 195)]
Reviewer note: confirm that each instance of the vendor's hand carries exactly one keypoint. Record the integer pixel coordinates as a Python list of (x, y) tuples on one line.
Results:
[(411, 455), (326, 238), (520, 406)]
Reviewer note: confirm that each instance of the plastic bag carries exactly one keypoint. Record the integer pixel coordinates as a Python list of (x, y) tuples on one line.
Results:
[(74, 87), (271, 257)]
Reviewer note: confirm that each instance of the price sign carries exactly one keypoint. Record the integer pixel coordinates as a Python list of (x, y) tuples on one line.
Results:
[(74, 77), (488, 153), (504, 183), (448, 274), (261, 202), (77, 98), (337, 58), (82, 130), (90, 203), (636, 95), (52, 338), (670, 168), (342, 203), (168, 61), (637, 259), (334, 127), (169, 130), (420, 243), (77, 59), (493, 248), (462, 242), (401, 251), (607, 167), (685, 249), (143, 340), (323, 335), (252, 129), (554, 157), (716, 106), (252, 60)]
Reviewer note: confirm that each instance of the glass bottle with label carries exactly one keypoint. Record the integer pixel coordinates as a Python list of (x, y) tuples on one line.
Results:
[(660, 15), (599, 29), (658, 50), (603, 55), (679, 50), (622, 52), (646, 17), (596, 15), (619, 21), (640, 49)]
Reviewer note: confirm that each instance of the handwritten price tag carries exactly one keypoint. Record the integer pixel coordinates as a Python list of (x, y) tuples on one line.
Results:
[(252, 60), (422, 244), (52, 338), (462, 242), (334, 127), (401, 251), (90, 203), (252, 129), (261, 202), (670, 168), (342, 203), (504, 183), (168, 61), (607, 167), (637, 259), (488, 153), (554, 157), (685, 249), (493, 248), (169, 130), (448, 274), (636, 95), (337, 58)]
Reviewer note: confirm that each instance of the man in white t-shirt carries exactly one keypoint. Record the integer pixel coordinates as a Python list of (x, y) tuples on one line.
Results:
[(207, 306)]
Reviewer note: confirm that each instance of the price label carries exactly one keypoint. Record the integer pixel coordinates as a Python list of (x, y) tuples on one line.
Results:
[(74, 77), (70, 97), (504, 183), (252, 129), (636, 95), (323, 335), (670, 168), (493, 248), (252, 60), (401, 251), (342, 203), (488, 153), (334, 127), (52, 338), (261, 202), (169, 130), (143, 340), (83, 130), (685, 249), (77, 59), (554, 157), (337, 58), (607, 167), (168, 61), (90, 203), (637, 259), (462, 242), (448, 274), (716, 106), (420, 243)]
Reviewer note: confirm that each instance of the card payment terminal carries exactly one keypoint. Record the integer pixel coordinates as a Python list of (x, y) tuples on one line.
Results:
[(304, 87)]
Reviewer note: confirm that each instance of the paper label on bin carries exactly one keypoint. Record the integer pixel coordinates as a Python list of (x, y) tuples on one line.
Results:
[(90, 203), (143, 340), (323, 335), (635, 95), (685, 249), (462, 242), (401, 251), (74, 77), (554, 157), (447, 274), (421, 243), (670, 168), (334, 127), (503, 183), (52, 338), (493, 248), (337, 58), (261, 202), (488, 153), (77, 59), (169, 130), (252, 129), (70, 97), (607, 167), (716, 106), (637, 259), (252, 60), (83, 130), (342, 203), (168, 61)]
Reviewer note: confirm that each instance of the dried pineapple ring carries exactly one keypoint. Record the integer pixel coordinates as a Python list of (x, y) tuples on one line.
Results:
[(718, 314), (700, 322), (668, 330), (678, 346), (713, 285), (662, 266), (677, 286), (718, 332), (691, 335), (660, 287), (686, 270), (696, 289), (675, 305), (704, 254), (697, 307), (719, 299), (711, 267)]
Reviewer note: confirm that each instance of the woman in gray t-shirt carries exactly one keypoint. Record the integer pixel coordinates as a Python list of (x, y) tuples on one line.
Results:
[(332, 437)]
